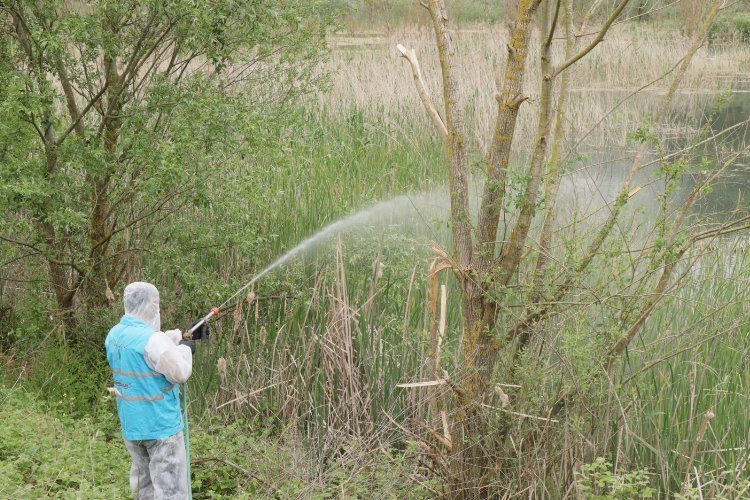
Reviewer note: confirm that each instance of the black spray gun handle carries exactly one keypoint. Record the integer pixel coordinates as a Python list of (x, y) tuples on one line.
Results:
[(188, 334)]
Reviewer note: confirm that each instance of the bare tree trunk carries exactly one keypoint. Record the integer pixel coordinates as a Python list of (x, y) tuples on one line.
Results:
[(480, 343), (483, 267), (552, 180), (456, 142)]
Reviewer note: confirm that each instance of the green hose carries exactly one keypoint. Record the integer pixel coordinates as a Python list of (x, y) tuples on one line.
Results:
[(187, 439)]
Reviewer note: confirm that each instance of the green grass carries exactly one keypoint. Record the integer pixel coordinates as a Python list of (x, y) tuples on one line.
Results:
[(44, 454), (703, 334), (313, 360)]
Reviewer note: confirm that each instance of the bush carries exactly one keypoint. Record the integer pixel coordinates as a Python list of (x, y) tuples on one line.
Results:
[(741, 24), (720, 29), (736, 27), (597, 481)]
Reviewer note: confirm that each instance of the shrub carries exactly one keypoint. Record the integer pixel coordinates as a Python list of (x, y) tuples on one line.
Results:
[(720, 29), (741, 24), (597, 481)]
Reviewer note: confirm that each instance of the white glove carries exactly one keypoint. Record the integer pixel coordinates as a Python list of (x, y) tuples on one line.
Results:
[(174, 335)]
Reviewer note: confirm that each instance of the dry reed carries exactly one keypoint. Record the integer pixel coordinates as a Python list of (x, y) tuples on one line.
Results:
[(369, 75)]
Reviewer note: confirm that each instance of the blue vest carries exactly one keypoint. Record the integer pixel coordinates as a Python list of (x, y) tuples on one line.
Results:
[(147, 403)]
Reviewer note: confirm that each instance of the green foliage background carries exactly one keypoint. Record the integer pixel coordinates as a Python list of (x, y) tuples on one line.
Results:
[(246, 172)]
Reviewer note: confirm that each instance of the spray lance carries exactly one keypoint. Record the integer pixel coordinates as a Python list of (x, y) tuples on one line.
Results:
[(188, 335)]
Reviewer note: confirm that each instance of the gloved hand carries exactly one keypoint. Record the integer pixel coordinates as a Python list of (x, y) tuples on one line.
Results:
[(174, 335), (190, 344), (201, 332)]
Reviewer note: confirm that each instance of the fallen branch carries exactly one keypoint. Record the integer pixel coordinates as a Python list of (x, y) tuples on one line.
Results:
[(422, 384), (234, 466), (249, 394), (523, 415)]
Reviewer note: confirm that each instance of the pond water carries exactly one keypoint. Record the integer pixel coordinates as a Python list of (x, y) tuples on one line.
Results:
[(595, 172)]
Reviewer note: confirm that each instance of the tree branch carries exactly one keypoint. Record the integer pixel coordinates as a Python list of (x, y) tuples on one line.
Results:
[(599, 37), (41, 252), (548, 41), (509, 100), (30, 119), (81, 115), (141, 217), (511, 255), (24, 34), (411, 56), (454, 123), (70, 98), (538, 313), (552, 180)]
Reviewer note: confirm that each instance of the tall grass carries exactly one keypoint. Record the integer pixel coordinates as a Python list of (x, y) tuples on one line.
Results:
[(318, 348), (324, 363), (701, 335), (369, 76)]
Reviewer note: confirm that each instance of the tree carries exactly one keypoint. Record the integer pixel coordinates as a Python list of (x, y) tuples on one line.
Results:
[(117, 114), (491, 270)]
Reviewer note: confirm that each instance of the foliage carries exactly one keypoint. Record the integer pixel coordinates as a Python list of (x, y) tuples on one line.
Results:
[(720, 29), (735, 26), (116, 114), (47, 454), (307, 409), (284, 195), (597, 481), (741, 23)]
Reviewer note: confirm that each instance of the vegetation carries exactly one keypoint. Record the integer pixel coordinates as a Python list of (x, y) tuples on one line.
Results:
[(47, 454), (312, 383), (100, 105), (499, 261)]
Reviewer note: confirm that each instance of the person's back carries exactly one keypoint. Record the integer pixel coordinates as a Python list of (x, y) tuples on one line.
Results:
[(148, 404), (147, 366)]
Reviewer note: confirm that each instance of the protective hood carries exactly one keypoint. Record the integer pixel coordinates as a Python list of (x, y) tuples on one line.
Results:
[(142, 301)]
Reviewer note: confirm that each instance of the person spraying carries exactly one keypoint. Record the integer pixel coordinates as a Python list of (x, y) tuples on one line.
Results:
[(148, 366)]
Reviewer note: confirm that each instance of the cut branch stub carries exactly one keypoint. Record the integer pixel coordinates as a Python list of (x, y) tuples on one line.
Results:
[(514, 103), (424, 95)]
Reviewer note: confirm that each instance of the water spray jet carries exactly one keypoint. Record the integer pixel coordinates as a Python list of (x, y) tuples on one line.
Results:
[(393, 205)]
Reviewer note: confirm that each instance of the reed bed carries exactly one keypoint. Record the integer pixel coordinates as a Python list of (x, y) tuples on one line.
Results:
[(315, 353), (686, 383), (368, 75), (317, 350), (323, 364)]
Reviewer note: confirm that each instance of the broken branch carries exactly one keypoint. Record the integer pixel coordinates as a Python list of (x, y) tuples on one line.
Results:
[(411, 56)]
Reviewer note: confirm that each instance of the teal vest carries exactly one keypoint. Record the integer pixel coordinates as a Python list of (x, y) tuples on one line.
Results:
[(147, 403)]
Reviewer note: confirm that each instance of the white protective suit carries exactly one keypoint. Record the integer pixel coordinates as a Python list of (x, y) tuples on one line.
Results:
[(159, 466), (162, 352)]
